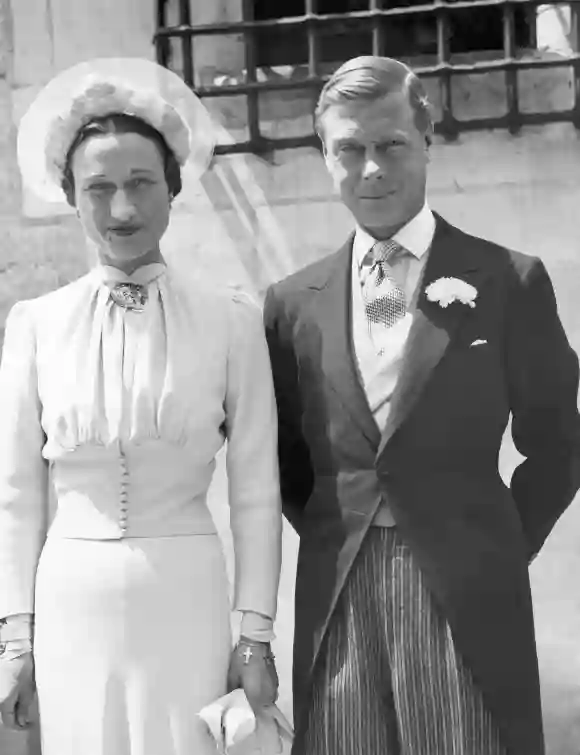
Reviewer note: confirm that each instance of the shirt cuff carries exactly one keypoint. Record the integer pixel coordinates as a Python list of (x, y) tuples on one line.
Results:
[(256, 626)]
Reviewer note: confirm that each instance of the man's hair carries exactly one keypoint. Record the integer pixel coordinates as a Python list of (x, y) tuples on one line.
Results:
[(122, 123), (370, 78)]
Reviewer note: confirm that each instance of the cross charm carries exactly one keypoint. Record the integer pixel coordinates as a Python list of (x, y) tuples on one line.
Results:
[(247, 654)]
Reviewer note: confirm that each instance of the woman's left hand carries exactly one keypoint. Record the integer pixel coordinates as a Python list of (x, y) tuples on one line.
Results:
[(253, 669)]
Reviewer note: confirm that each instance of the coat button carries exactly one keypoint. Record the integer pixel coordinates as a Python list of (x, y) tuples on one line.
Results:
[(2, 648)]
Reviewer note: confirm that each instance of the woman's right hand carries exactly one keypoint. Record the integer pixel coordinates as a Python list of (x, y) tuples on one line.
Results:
[(17, 690)]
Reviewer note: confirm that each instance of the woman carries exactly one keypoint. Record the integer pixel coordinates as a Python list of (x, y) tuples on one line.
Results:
[(121, 388)]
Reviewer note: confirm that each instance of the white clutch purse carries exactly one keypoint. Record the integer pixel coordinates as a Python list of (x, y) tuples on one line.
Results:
[(237, 731)]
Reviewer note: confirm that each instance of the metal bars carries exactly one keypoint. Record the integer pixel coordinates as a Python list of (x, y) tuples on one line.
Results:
[(511, 74), (378, 36), (250, 57), (448, 123), (374, 20), (312, 39), (575, 41), (186, 43)]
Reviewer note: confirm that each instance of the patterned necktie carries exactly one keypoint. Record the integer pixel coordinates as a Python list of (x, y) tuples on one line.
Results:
[(385, 301)]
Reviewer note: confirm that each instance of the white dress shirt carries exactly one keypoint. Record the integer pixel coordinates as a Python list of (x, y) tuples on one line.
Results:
[(379, 352)]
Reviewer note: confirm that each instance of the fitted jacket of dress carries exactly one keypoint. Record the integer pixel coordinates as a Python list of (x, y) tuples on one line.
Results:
[(464, 372), (190, 372)]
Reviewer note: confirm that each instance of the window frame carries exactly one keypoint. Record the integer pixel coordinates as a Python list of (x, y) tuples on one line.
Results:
[(443, 70)]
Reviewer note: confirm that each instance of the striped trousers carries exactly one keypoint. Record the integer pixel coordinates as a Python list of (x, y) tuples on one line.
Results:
[(388, 680)]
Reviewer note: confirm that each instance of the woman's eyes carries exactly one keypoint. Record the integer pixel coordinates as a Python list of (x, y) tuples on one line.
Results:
[(134, 183), (139, 182)]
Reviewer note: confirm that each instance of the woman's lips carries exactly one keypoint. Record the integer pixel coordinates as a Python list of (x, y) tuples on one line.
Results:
[(375, 197), (129, 231)]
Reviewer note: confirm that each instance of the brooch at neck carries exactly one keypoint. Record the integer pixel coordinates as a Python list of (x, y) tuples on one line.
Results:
[(131, 296)]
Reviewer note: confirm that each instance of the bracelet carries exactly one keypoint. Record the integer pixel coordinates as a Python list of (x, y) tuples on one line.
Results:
[(252, 645)]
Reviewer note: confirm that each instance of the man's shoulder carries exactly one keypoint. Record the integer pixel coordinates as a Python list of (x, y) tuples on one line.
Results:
[(312, 276), (496, 257), (293, 290)]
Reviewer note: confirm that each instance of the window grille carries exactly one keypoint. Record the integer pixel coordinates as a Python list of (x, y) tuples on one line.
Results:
[(370, 17)]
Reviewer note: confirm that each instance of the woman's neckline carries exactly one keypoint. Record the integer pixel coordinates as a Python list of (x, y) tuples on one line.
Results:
[(143, 275)]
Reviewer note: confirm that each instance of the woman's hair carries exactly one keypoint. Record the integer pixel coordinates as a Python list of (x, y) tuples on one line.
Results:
[(121, 123), (370, 78)]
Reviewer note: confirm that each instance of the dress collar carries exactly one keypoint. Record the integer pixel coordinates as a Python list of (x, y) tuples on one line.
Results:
[(142, 276), (416, 236)]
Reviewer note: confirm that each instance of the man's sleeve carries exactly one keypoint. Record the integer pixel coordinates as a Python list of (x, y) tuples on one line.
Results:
[(543, 390), (296, 476)]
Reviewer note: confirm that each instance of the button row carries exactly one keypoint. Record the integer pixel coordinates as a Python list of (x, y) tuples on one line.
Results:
[(124, 494)]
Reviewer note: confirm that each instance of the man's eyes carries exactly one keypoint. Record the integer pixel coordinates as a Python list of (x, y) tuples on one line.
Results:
[(390, 144), (353, 148), (350, 147)]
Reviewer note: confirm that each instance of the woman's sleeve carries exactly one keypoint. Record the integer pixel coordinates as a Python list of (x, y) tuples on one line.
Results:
[(23, 471), (252, 462)]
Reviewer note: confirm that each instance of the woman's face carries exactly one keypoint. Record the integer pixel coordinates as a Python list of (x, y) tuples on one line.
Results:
[(121, 195)]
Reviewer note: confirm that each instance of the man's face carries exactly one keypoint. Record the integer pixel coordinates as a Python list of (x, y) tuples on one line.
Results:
[(377, 158), (121, 194)]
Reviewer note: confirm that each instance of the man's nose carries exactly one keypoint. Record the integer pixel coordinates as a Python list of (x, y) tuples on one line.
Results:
[(372, 167), (121, 207)]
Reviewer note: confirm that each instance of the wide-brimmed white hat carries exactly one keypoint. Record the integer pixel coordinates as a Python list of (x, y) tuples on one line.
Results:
[(101, 87)]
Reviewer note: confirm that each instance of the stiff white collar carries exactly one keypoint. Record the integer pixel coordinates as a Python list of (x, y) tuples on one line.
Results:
[(415, 236)]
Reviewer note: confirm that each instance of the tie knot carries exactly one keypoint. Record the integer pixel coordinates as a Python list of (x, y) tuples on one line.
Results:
[(384, 251)]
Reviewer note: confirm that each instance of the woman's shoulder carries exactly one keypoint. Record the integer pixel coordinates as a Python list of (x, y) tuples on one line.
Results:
[(241, 308), (52, 301), (238, 298), (215, 296)]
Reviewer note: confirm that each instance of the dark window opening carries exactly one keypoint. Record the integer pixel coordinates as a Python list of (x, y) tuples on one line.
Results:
[(469, 30)]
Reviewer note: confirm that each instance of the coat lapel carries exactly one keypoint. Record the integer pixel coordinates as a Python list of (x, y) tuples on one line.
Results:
[(333, 315), (433, 325)]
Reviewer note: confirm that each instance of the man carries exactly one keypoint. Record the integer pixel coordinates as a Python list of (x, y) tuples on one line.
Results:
[(398, 361)]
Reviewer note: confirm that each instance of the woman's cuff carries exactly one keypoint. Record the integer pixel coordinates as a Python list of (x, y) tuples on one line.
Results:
[(13, 649), (16, 627), (256, 626)]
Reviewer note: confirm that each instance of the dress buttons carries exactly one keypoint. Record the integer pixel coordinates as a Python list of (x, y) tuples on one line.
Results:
[(123, 495), (2, 648)]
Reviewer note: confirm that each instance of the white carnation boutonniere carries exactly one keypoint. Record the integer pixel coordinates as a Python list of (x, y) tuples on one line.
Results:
[(445, 291)]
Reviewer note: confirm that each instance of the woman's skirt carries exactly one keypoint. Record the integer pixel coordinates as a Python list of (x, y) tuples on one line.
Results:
[(132, 639)]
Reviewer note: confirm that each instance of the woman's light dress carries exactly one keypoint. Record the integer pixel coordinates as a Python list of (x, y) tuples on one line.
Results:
[(123, 413)]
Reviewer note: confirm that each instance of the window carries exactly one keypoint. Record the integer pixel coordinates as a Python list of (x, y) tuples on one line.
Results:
[(469, 30), (288, 48)]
